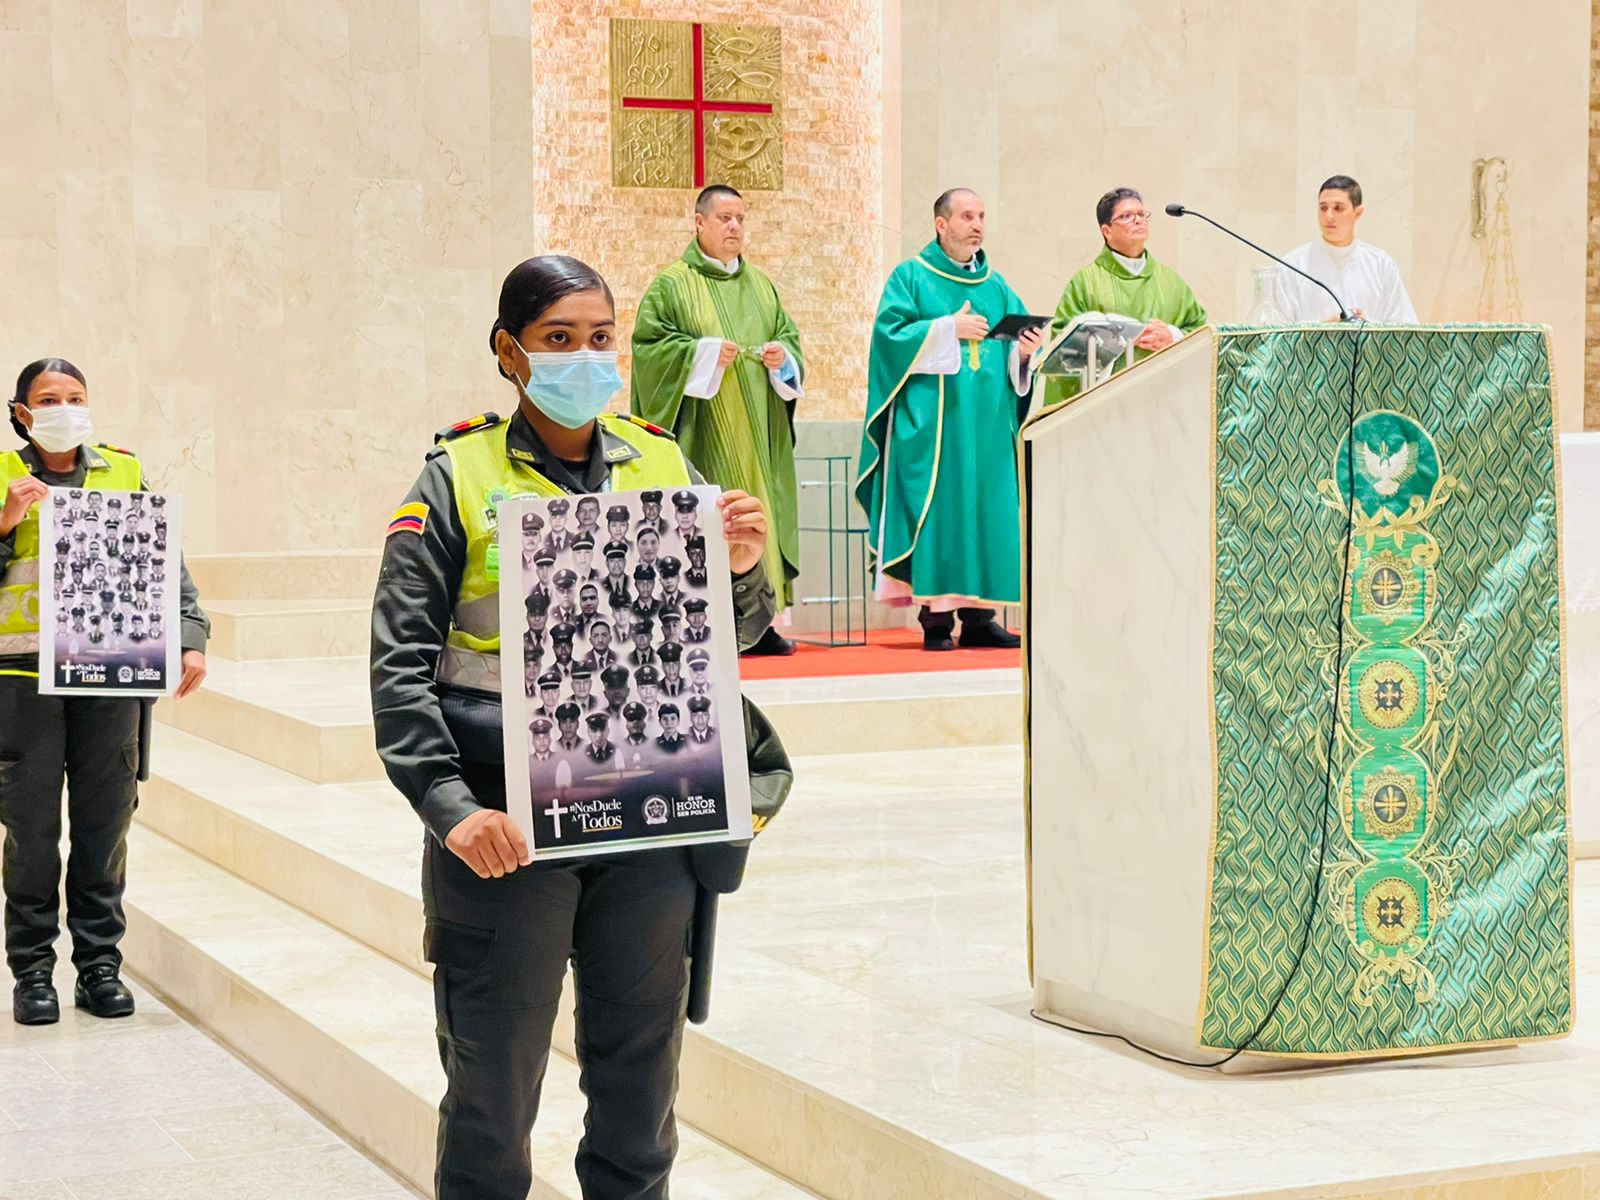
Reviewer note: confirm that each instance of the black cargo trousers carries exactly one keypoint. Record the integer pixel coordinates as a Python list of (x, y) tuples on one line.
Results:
[(93, 744), (500, 949)]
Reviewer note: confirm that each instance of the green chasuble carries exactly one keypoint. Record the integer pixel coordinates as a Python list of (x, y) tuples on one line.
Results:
[(938, 475), (1157, 293), (743, 437)]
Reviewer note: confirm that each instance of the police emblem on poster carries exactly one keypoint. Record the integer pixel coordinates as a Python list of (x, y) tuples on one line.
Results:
[(109, 578), (624, 728)]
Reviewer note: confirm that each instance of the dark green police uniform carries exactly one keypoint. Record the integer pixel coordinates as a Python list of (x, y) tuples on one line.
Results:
[(89, 741), (501, 946)]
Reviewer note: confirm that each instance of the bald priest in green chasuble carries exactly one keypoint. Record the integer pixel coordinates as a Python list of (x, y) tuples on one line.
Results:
[(717, 361), (938, 473), (1125, 280)]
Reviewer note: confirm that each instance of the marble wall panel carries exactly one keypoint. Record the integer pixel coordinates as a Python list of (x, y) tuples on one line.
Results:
[(244, 93), (171, 203), (271, 232), (1240, 108), (166, 18), (29, 171), (25, 15)]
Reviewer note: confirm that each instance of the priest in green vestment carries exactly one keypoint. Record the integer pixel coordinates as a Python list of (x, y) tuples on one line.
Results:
[(1125, 280), (717, 361), (938, 473)]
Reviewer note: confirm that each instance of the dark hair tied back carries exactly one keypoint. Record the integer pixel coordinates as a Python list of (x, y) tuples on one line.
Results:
[(44, 366), (533, 286)]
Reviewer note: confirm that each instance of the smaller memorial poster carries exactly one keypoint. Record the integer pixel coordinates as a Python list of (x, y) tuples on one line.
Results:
[(109, 583), (624, 726)]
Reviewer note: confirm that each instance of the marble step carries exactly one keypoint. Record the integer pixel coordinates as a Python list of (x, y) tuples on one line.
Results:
[(313, 716), (346, 1030), (870, 1032), (285, 575), (253, 630), (350, 854)]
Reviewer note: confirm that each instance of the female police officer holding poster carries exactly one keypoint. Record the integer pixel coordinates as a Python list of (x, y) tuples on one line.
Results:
[(91, 741), (499, 928)]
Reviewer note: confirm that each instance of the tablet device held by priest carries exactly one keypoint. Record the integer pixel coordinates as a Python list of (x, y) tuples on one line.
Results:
[(1009, 329)]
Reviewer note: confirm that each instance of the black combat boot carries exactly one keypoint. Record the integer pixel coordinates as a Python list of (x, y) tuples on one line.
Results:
[(102, 993), (33, 1000)]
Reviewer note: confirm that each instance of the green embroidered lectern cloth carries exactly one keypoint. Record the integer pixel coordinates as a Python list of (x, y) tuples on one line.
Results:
[(1442, 904)]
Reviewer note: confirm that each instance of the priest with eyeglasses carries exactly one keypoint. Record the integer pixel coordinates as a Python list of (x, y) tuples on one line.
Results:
[(1126, 280)]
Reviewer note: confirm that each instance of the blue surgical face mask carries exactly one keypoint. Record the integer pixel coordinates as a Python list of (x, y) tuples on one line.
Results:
[(571, 387)]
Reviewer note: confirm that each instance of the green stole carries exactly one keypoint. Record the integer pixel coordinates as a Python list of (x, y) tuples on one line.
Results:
[(743, 437)]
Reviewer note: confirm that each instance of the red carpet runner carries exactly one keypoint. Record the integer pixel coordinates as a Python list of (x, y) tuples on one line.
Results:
[(887, 652)]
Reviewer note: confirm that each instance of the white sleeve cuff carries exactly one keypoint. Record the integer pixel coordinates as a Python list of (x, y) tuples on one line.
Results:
[(941, 353), (705, 377), (1177, 334), (786, 380), (1021, 377)]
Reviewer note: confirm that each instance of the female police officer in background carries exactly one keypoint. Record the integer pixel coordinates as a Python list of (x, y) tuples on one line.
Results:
[(499, 930), (91, 740)]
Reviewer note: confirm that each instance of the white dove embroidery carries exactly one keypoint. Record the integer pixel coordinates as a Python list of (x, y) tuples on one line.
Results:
[(1386, 471)]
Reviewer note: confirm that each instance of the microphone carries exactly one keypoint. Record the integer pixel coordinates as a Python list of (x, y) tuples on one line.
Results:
[(1178, 210)]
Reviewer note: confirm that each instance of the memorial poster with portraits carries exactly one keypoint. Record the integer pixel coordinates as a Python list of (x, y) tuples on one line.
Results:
[(624, 726), (109, 585)]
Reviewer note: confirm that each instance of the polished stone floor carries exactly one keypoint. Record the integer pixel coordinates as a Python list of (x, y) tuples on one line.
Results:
[(150, 1108)]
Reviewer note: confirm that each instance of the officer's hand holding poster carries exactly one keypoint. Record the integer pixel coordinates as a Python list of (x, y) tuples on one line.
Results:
[(624, 728), (109, 581)]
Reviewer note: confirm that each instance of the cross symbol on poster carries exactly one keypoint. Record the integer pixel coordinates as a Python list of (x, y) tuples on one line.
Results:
[(698, 106), (556, 809)]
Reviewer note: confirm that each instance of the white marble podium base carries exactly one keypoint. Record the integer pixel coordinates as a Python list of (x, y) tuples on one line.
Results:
[(1580, 544), (1120, 719)]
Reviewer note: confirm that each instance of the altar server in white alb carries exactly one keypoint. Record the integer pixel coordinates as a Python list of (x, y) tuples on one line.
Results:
[(1363, 276)]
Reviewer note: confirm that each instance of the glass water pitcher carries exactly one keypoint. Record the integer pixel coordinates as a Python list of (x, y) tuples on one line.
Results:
[(1264, 308)]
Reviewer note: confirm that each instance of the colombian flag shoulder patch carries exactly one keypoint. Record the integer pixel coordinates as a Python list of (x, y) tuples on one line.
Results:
[(411, 518)]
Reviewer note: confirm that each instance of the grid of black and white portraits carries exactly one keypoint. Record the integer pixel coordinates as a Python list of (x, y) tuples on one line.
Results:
[(617, 639), (110, 571)]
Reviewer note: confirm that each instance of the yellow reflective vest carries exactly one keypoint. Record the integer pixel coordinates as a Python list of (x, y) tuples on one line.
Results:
[(108, 470), (483, 475)]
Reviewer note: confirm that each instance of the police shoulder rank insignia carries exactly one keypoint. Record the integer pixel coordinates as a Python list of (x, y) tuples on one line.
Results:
[(470, 425), (410, 518), (643, 424)]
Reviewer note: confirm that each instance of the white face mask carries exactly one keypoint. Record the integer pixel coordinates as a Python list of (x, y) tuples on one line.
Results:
[(61, 427)]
